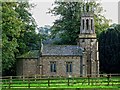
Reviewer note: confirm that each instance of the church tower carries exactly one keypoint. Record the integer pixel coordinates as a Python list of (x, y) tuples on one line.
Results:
[(89, 64)]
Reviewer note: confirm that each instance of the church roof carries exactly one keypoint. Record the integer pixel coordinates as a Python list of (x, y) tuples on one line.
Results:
[(58, 50), (63, 50)]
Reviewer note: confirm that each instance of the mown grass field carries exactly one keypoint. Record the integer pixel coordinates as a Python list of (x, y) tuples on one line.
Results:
[(54, 83)]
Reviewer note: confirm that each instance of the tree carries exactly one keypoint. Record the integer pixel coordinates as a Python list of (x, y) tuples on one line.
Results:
[(27, 35), (68, 25), (11, 28), (109, 49), (18, 33)]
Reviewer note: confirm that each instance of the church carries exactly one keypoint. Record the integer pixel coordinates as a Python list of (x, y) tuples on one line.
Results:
[(79, 60)]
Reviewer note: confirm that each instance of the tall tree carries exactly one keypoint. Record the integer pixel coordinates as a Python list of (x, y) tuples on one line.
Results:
[(68, 23), (27, 36), (18, 33), (109, 49), (11, 28)]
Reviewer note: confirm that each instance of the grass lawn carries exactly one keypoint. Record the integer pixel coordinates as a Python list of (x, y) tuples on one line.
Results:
[(62, 83)]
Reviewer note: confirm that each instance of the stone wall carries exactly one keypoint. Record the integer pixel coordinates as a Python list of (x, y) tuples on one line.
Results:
[(60, 65), (90, 46), (26, 67), (41, 66), (29, 67)]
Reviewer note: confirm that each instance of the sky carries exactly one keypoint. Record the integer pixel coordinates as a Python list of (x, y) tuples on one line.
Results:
[(42, 18)]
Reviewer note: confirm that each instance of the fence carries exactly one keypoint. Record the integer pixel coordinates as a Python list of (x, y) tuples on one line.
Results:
[(47, 81)]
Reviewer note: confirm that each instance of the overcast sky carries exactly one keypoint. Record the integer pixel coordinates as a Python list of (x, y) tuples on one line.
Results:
[(42, 18)]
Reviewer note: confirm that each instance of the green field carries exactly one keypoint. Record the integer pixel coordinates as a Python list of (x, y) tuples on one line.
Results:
[(61, 89), (101, 82)]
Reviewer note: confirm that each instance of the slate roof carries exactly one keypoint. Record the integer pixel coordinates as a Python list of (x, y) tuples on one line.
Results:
[(66, 50), (58, 50)]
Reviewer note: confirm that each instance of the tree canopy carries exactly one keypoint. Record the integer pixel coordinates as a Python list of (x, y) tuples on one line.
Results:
[(109, 49), (11, 28), (18, 33), (67, 26)]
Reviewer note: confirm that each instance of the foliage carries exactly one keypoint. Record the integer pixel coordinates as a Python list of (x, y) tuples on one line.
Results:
[(67, 26), (11, 28), (18, 33), (30, 54), (28, 38), (109, 49)]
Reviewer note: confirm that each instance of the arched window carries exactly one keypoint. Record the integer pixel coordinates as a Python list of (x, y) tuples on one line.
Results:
[(83, 23), (87, 24), (87, 8), (91, 24)]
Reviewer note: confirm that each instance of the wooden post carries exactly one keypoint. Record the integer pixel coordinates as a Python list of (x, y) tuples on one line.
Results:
[(23, 79), (48, 82), (92, 81), (88, 80), (108, 77), (9, 83), (68, 82), (28, 82), (11, 79)]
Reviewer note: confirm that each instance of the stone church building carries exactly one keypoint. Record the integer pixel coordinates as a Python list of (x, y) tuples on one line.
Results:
[(66, 60)]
